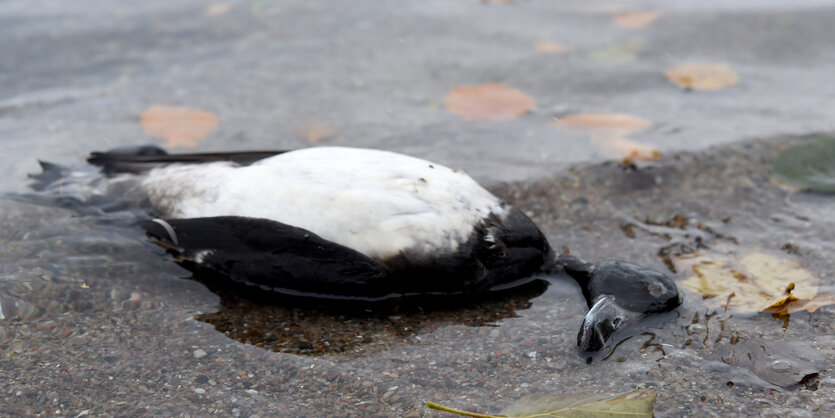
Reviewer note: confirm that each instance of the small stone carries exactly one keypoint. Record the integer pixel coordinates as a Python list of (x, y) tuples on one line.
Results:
[(332, 375), (252, 391), (199, 353), (200, 391)]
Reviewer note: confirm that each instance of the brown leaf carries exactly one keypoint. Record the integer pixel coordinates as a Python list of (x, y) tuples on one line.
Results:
[(315, 132), (607, 132), (550, 47), (178, 126), (488, 102), (702, 76), (635, 20)]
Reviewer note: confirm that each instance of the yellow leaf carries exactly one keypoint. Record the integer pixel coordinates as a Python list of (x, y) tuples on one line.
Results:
[(550, 47), (702, 76), (607, 132), (757, 282), (639, 403), (488, 102), (620, 53), (178, 126), (635, 20), (790, 304), (315, 132)]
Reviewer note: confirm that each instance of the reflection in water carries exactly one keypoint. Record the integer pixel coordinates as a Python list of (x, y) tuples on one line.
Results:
[(312, 327)]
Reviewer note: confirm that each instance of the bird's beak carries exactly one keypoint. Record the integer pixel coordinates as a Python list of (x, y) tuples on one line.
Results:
[(600, 322)]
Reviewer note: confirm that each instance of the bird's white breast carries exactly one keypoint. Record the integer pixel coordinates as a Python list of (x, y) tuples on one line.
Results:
[(376, 202)]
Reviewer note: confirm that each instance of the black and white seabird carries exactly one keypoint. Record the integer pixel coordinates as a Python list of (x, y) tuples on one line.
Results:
[(350, 223)]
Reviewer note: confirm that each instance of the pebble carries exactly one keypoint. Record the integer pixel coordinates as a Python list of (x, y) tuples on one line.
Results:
[(199, 353), (200, 391)]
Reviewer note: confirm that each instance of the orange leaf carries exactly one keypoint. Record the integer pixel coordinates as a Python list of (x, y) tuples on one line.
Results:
[(627, 150), (608, 131), (635, 20), (178, 126), (488, 102), (702, 76), (315, 132), (602, 123), (550, 47)]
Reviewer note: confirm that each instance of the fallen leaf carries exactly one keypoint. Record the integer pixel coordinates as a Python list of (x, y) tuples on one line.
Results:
[(488, 102), (607, 132), (757, 282), (639, 403), (619, 53), (602, 123), (178, 126), (702, 76), (217, 9), (808, 165), (635, 20), (627, 150), (790, 304), (315, 132), (550, 47)]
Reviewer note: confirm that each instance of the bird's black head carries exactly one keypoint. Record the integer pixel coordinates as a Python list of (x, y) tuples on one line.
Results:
[(618, 293), (633, 287)]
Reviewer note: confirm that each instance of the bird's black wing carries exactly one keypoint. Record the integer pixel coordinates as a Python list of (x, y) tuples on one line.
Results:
[(140, 159), (270, 256)]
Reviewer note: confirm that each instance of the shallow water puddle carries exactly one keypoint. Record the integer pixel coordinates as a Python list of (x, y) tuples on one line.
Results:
[(351, 331)]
